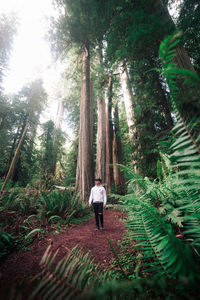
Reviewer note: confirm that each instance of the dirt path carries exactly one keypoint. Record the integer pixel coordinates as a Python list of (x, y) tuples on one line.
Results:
[(22, 264)]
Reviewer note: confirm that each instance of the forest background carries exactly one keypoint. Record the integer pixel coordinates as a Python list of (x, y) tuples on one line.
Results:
[(123, 58), (132, 100)]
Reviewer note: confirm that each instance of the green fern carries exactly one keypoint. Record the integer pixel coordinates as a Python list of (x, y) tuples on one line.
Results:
[(185, 159), (64, 205), (72, 277)]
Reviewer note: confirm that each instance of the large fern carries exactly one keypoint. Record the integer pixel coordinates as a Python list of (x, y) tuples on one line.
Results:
[(185, 159), (70, 278), (164, 216)]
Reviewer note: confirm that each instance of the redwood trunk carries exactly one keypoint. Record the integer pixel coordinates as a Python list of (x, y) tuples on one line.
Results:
[(84, 178), (109, 136), (128, 102), (128, 99), (118, 176), (101, 141), (91, 119)]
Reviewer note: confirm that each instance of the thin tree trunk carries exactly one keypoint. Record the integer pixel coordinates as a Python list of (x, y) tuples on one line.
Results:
[(101, 140), (85, 177), (58, 123), (17, 135), (91, 120), (128, 99), (59, 115), (128, 102), (117, 154), (109, 136), (16, 155)]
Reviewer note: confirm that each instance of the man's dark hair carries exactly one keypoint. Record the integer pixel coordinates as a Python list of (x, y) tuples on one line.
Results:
[(98, 179)]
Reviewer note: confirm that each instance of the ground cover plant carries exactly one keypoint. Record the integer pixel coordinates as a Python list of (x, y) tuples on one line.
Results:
[(27, 214)]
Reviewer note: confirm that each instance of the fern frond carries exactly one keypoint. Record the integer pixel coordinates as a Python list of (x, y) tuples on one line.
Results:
[(158, 241), (71, 277), (166, 50)]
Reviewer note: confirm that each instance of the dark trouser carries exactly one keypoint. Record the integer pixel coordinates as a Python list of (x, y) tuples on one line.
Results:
[(98, 210)]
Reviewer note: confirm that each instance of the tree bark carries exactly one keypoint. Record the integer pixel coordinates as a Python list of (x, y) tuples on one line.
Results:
[(101, 140), (128, 102), (181, 59), (128, 99), (109, 136), (188, 99), (117, 154), (91, 120), (16, 137), (16, 155), (85, 177)]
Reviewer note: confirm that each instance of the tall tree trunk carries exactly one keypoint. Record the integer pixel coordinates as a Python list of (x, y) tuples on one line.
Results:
[(101, 140), (117, 154), (91, 120), (188, 99), (59, 115), (16, 155), (128, 102), (182, 59), (109, 136), (16, 137), (58, 123), (128, 99), (85, 177)]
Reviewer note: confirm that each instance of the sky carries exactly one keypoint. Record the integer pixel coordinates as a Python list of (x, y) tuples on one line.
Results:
[(31, 56)]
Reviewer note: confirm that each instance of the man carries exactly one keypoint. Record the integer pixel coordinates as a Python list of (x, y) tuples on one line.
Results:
[(98, 199)]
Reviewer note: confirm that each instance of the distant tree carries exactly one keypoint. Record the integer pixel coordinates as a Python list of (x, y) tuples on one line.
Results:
[(109, 135), (52, 140), (118, 176), (101, 140), (32, 99), (7, 32)]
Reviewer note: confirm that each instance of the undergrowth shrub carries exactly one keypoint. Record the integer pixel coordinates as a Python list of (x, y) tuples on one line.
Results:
[(61, 206), (27, 214), (20, 200)]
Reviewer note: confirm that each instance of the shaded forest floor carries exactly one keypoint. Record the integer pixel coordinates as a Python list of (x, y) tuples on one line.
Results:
[(19, 265)]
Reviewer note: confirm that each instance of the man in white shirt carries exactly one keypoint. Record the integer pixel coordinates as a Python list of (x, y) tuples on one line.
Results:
[(98, 199)]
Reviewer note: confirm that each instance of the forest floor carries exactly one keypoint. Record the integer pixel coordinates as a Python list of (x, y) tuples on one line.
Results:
[(21, 264)]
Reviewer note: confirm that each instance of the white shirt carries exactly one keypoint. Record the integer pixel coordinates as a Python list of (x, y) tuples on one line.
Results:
[(98, 194)]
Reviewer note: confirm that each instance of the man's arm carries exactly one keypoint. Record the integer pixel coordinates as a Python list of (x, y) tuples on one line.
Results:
[(104, 197), (90, 199)]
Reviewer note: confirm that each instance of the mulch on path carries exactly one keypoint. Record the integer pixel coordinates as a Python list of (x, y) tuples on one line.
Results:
[(22, 264)]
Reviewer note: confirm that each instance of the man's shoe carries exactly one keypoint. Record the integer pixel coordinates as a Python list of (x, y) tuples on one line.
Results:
[(97, 229), (102, 228)]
